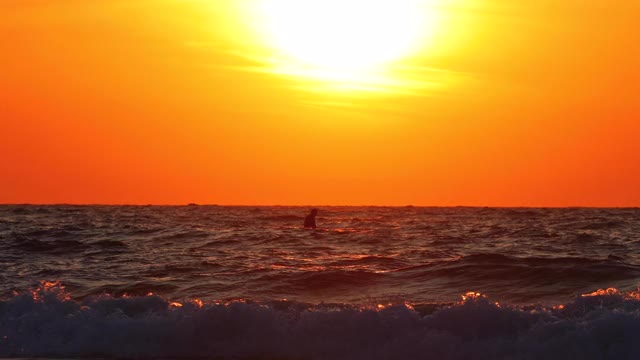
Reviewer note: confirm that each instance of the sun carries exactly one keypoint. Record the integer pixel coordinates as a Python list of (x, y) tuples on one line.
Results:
[(342, 34), (342, 38)]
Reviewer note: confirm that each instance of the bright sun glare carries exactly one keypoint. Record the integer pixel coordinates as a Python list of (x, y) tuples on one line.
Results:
[(340, 40)]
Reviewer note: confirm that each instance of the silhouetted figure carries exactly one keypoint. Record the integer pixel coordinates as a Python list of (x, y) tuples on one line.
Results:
[(310, 220)]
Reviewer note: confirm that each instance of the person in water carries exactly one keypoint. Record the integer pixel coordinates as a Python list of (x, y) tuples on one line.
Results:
[(310, 220)]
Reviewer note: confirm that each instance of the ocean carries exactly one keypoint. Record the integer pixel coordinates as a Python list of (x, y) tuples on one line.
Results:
[(217, 282)]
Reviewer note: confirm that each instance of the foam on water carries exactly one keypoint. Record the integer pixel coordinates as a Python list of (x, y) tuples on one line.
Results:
[(46, 323)]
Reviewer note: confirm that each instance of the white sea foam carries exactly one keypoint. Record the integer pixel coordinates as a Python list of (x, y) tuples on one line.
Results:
[(48, 324)]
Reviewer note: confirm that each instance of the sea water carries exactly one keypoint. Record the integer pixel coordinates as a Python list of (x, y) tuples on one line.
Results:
[(369, 283)]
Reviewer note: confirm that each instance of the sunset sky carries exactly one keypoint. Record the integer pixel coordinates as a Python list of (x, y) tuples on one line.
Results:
[(351, 102)]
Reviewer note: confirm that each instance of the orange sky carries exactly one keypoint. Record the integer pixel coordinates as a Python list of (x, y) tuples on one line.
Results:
[(527, 103)]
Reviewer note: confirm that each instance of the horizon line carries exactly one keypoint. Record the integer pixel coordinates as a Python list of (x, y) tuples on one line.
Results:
[(326, 205)]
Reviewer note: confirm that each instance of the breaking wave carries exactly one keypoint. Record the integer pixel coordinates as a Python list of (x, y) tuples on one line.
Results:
[(46, 323)]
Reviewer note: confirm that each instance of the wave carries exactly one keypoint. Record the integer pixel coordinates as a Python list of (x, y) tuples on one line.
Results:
[(29, 244), (63, 246), (45, 323), (141, 288), (600, 224), (519, 279), (110, 244), (282, 218), (494, 260), (319, 280), (184, 235), (369, 260), (172, 269)]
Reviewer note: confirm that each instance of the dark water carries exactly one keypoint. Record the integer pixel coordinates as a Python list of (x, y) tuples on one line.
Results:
[(372, 283)]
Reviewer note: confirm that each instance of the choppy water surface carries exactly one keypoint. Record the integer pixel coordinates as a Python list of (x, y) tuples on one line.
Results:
[(365, 283), (358, 255)]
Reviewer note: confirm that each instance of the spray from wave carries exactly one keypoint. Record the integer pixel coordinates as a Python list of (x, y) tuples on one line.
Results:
[(45, 322)]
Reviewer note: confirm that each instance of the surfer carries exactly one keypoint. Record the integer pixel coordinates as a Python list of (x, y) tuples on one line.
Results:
[(310, 220)]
